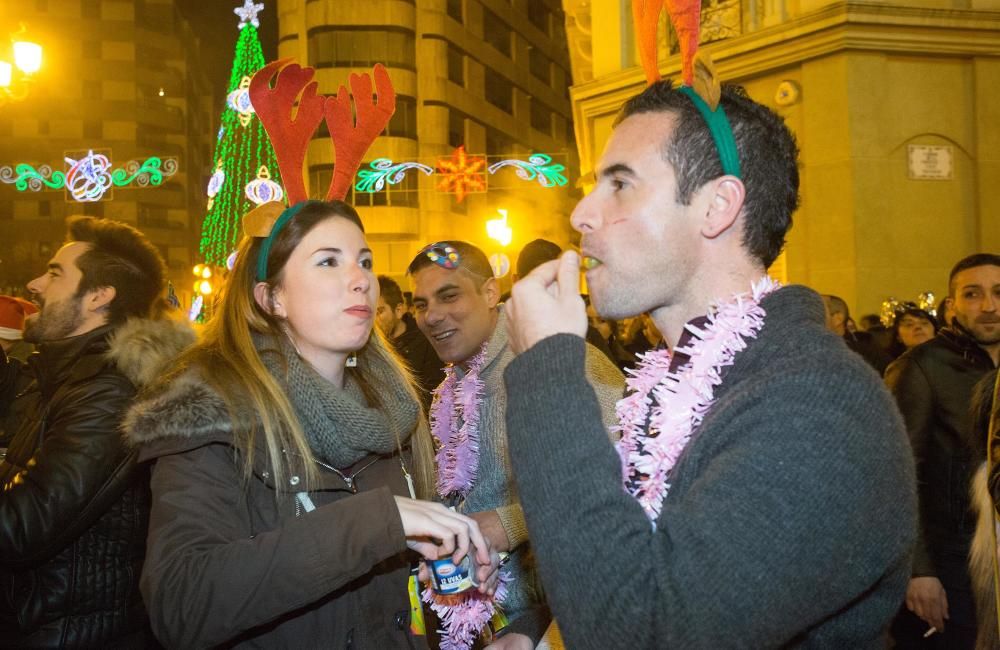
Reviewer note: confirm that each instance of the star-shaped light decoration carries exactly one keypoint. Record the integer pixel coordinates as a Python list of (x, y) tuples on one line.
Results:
[(462, 174), (248, 13)]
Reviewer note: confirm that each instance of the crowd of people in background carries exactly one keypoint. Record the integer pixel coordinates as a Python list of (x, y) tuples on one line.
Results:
[(692, 455)]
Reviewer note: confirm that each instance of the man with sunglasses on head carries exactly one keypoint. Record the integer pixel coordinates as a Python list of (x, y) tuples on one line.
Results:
[(456, 298)]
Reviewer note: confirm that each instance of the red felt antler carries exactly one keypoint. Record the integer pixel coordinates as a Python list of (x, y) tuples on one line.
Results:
[(289, 135), (646, 16), (351, 137), (685, 16)]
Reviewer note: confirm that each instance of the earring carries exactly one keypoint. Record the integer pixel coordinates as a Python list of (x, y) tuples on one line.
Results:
[(352, 360)]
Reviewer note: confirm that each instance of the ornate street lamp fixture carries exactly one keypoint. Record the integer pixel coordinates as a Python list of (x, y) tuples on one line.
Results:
[(15, 78)]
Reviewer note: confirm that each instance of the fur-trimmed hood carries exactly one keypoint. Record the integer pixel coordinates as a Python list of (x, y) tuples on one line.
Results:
[(141, 349), (187, 413)]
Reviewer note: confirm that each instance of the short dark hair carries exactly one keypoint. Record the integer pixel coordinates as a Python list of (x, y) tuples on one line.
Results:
[(970, 262), (534, 254), (837, 305), (390, 291), (768, 159), (121, 257), (473, 260)]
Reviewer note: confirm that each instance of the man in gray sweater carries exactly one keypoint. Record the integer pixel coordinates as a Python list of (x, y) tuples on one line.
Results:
[(763, 493), (456, 300)]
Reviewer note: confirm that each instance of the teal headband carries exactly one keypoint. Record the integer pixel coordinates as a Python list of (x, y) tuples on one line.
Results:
[(265, 248), (722, 132)]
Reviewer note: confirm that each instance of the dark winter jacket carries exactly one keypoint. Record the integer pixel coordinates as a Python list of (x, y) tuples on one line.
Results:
[(229, 564), (789, 522), (933, 385), (74, 504), (420, 356)]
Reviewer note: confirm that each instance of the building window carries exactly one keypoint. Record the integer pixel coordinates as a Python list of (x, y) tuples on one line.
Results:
[(92, 129), (456, 65), (455, 9), (539, 66), (500, 92), (91, 50), (570, 132), (456, 129), (319, 179), (361, 47), (45, 208), (541, 117), (496, 32), (401, 195), (498, 143), (538, 14), (92, 89), (404, 121)]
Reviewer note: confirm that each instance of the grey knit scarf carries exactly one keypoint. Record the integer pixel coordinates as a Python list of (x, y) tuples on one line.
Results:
[(340, 426)]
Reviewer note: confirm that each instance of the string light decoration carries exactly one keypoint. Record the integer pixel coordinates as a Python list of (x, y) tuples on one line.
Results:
[(538, 167), (248, 13), (462, 173), (88, 178), (262, 189), (240, 151), (239, 101), (383, 171)]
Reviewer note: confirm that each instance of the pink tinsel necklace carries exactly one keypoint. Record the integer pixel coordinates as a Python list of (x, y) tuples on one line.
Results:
[(673, 404), (454, 420)]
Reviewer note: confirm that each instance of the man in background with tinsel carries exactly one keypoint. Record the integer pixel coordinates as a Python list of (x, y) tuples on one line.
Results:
[(933, 384), (456, 300), (768, 493)]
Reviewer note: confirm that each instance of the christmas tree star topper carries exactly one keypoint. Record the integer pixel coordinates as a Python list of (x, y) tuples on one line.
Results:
[(248, 13)]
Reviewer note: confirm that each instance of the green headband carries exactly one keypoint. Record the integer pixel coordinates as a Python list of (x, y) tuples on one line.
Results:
[(265, 248), (722, 132)]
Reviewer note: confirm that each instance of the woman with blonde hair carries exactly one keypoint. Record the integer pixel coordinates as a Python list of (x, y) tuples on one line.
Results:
[(284, 445)]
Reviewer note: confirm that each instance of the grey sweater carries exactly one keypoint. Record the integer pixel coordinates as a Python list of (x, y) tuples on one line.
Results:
[(791, 516), (494, 488)]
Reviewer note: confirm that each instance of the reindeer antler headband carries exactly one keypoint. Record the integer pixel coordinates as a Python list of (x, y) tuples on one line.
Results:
[(701, 83), (351, 133)]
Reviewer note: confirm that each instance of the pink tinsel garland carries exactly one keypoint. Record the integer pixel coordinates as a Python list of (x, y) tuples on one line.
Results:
[(681, 399), (458, 400), (458, 446)]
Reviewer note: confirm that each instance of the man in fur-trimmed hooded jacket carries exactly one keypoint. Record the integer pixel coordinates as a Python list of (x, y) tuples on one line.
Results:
[(74, 505)]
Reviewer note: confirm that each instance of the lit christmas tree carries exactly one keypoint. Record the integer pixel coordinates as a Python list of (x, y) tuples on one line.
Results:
[(246, 170)]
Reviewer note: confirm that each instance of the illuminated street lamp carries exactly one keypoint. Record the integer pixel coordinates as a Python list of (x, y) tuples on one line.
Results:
[(27, 61), (498, 229)]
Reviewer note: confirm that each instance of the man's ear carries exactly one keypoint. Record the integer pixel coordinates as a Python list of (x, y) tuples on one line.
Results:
[(268, 300), (725, 202), (491, 289), (400, 310), (99, 299)]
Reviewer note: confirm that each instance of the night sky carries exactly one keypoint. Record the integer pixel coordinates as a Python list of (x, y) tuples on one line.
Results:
[(216, 26)]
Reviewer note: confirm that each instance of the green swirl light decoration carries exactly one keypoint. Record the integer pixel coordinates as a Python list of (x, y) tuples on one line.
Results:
[(382, 171), (538, 166), (90, 177)]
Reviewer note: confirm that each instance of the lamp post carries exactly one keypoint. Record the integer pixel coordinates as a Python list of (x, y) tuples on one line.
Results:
[(15, 78)]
